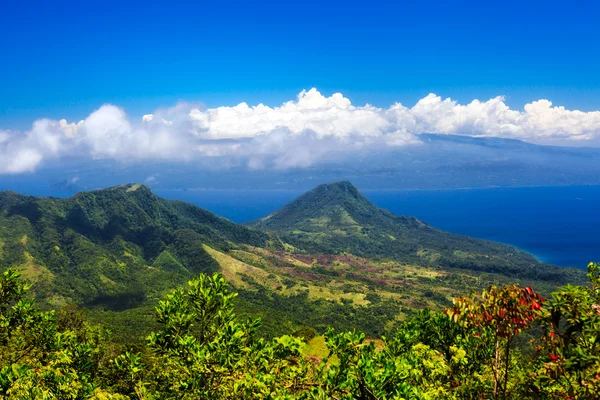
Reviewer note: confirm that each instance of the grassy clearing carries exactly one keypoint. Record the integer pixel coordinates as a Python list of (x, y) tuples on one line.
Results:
[(316, 349), (32, 271), (234, 271), (343, 279), (133, 188)]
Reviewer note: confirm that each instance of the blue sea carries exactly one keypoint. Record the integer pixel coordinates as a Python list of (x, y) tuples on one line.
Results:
[(559, 225)]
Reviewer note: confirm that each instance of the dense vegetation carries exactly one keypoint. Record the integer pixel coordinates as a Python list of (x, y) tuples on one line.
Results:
[(328, 259), (506, 343), (111, 247)]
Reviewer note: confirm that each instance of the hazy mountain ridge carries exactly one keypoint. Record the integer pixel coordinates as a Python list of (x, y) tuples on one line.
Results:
[(437, 162)]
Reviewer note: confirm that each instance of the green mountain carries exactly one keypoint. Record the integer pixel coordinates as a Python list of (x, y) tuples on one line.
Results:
[(110, 246), (336, 218), (329, 258)]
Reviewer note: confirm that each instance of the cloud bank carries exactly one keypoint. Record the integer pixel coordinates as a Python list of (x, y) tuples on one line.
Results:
[(298, 133)]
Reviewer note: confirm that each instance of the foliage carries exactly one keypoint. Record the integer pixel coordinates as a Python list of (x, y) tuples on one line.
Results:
[(39, 361), (569, 353), (202, 350), (498, 315)]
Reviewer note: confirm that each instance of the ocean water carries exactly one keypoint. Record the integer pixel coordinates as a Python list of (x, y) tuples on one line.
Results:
[(559, 225)]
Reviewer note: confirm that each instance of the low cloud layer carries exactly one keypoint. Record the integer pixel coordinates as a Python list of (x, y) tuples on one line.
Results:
[(298, 133)]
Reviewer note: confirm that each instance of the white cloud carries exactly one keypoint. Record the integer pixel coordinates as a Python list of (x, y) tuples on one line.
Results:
[(23, 160), (539, 122), (325, 116), (297, 133)]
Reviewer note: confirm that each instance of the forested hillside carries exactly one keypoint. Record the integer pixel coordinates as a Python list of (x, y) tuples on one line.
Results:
[(113, 247), (337, 218), (328, 259)]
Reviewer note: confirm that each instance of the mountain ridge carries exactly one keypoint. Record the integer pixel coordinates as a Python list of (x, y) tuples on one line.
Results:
[(336, 216), (99, 244)]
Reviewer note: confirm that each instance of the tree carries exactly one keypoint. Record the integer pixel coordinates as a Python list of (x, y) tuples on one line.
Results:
[(498, 314), (37, 360), (204, 351), (568, 363)]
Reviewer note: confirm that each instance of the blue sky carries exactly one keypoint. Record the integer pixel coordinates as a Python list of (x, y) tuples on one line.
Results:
[(66, 59)]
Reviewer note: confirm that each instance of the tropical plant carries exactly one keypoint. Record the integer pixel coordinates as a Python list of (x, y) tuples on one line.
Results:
[(477, 349)]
